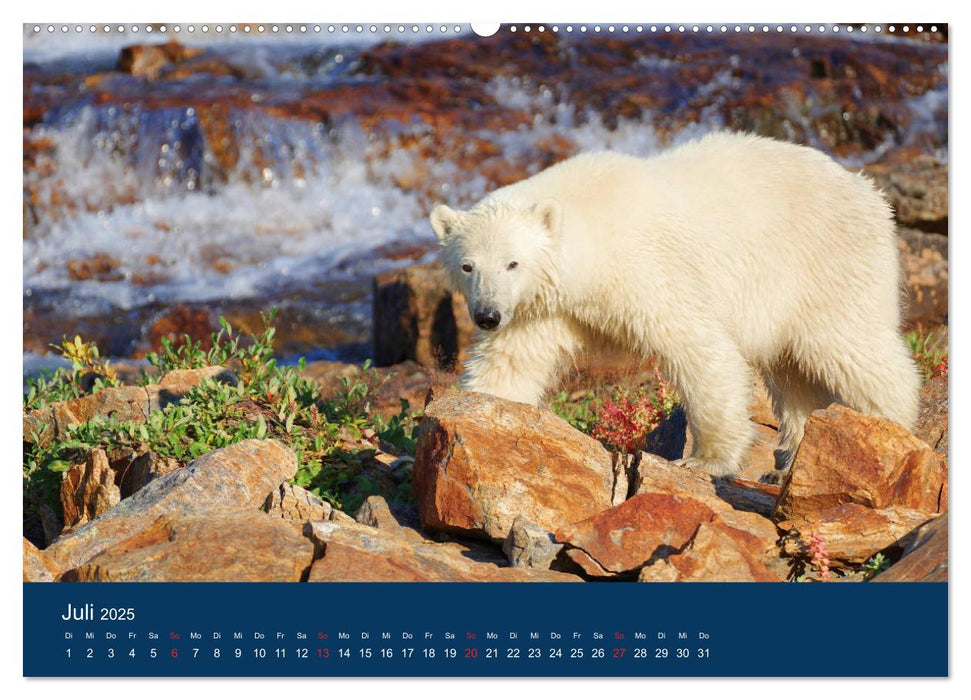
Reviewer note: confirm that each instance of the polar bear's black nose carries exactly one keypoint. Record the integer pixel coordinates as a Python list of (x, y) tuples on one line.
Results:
[(487, 320)]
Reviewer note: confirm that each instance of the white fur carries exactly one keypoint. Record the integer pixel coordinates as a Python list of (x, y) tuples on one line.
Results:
[(726, 255)]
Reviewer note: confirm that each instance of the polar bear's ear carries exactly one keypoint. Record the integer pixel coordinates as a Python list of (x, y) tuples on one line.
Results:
[(551, 214), (443, 221)]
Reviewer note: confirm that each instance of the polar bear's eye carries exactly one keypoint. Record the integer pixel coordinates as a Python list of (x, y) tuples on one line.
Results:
[(512, 266), (466, 267)]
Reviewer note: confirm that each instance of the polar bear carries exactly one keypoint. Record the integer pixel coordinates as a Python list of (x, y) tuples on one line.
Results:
[(727, 255)]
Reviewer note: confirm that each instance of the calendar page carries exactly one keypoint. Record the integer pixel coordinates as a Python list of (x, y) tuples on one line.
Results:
[(512, 350)]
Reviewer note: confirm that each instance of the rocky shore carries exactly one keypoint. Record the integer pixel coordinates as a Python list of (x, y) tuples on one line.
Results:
[(407, 126), (499, 491), (482, 489)]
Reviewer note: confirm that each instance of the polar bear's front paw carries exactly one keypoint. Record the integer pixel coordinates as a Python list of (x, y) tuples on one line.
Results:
[(715, 467)]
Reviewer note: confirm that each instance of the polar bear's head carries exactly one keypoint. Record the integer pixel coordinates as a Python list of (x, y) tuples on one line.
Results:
[(500, 256)]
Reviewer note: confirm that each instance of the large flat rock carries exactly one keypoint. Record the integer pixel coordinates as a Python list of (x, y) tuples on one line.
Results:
[(481, 462), (207, 546), (847, 457), (925, 557), (350, 552), (852, 533), (238, 477)]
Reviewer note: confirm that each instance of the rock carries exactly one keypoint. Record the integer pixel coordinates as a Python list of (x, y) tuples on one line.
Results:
[(622, 466), (739, 519), (38, 568), (124, 403), (925, 557), (717, 552), (88, 489), (355, 552), (748, 496), (296, 505), (339, 516), (933, 419), (852, 533), (916, 185), (624, 538), (204, 546), (407, 381), (149, 60), (174, 325), (923, 262), (529, 545), (238, 477), (100, 267), (180, 382), (417, 317), (481, 462), (859, 484), (742, 504), (847, 457), (375, 512), (38, 427), (144, 469)]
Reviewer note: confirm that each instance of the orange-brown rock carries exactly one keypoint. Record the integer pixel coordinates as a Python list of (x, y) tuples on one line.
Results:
[(852, 533), (740, 504), (175, 325), (717, 552), (180, 381), (933, 419), (238, 477), (101, 267), (418, 317), (916, 185), (482, 461), (205, 546), (124, 403), (38, 568), (925, 557), (923, 262), (355, 552), (296, 505), (646, 527), (149, 60), (406, 380), (375, 512), (847, 457), (88, 489)]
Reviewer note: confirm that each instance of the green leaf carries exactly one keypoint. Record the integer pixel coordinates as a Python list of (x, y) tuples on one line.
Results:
[(261, 427)]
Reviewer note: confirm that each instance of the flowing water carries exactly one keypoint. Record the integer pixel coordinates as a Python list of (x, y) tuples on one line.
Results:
[(218, 190)]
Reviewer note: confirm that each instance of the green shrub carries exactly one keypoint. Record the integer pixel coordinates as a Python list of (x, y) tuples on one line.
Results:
[(269, 401)]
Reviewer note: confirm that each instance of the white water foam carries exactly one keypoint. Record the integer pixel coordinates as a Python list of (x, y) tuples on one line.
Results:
[(301, 202)]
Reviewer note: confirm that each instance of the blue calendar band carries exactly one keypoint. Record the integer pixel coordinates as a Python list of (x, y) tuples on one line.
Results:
[(487, 629)]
